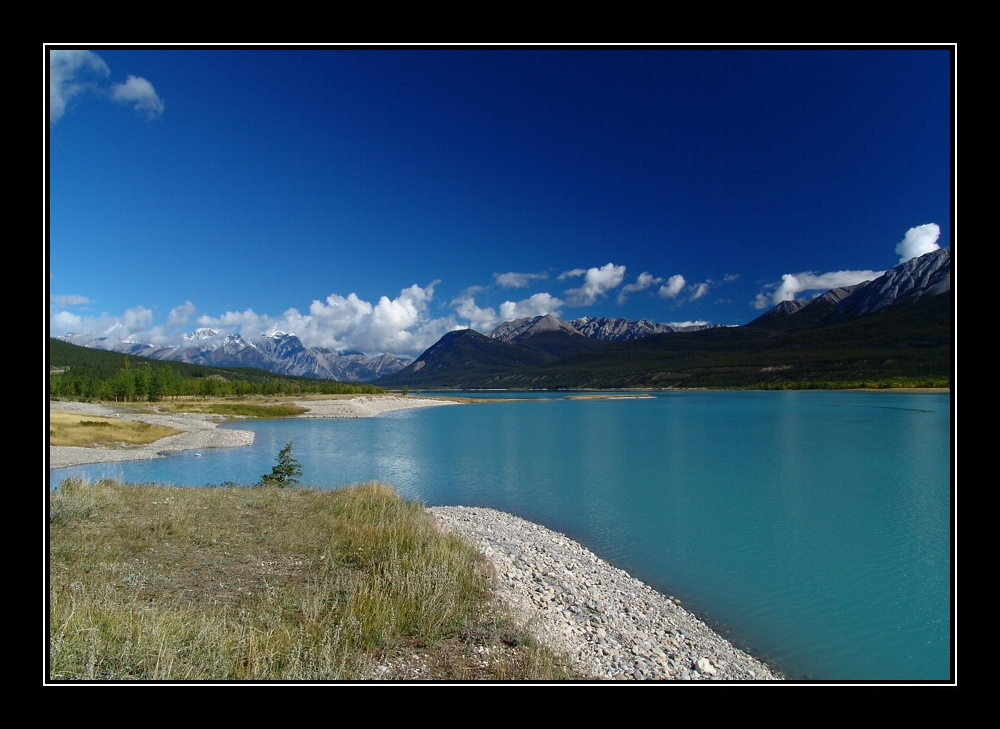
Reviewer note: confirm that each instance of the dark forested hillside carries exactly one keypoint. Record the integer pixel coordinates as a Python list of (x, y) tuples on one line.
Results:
[(907, 345), (92, 374)]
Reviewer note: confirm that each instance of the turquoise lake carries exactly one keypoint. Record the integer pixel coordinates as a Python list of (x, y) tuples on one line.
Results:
[(813, 529)]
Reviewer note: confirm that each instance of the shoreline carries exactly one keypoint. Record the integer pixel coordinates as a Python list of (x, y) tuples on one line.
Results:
[(612, 625), (202, 432)]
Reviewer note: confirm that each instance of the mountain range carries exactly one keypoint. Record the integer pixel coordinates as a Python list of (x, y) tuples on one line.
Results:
[(898, 326), (278, 352)]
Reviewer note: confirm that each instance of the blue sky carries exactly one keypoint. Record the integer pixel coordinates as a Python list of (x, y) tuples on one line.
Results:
[(378, 198)]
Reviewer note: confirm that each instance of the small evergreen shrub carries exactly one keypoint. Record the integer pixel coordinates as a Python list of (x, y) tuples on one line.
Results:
[(286, 471)]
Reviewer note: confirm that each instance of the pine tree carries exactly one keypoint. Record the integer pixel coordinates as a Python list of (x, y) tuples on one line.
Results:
[(286, 471)]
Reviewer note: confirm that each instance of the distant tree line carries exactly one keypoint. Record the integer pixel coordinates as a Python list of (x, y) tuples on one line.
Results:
[(85, 376)]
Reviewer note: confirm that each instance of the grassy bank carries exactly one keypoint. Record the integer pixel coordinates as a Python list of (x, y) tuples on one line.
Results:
[(268, 584), (88, 431)]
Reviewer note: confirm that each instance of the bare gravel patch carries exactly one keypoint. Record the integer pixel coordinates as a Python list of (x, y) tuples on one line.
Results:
[(613, 626)]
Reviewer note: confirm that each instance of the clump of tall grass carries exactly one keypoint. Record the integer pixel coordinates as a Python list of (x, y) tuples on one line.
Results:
[(230, 408), (159, 583)]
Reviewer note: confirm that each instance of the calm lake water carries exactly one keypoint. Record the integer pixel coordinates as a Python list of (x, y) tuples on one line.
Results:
[(814, 529)]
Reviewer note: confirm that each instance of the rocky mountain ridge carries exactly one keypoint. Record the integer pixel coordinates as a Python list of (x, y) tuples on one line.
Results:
[(896, 327), (277, 352), (605, 329)]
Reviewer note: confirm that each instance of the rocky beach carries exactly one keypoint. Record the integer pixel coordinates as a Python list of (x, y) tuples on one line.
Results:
[(613, 626)]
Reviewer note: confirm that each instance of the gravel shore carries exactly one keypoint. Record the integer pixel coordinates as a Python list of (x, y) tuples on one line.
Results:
[(612, 625)]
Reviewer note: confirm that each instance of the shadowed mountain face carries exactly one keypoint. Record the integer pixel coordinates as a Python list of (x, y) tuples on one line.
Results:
[(899, 326)]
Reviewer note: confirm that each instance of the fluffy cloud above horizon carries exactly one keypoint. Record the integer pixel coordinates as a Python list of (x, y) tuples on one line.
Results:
[(513, 280), (794, 284), (673, 287), (401, 325), (406, 324), (596, 283), (918, 241), (75, 72), (642, 282)]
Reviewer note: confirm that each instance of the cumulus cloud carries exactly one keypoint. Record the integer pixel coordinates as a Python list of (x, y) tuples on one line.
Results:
[(513, 280), (137, 320), (339, 315), (73, 72), (571, 274), (642, 282), (392, 319), (537, 305), (794, 284), (596, 282), (401, 325), (245, 322), (140, 94), (673, 287), (70, 300), (180, 315), (918, 241), (68, 74), (480, 319), (697, 291), (65, 322)]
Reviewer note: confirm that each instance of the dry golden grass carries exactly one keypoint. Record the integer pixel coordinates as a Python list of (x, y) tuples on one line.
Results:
[(73, 429), (239, 408), (267, 584)]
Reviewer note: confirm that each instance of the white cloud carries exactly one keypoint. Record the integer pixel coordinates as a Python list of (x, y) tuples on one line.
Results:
[(480, 319), (65, 71), (918, 241), (73, 72), (697, 291), (572, 274), (596, 282), (673, 287), (180, 315), (513, 280), (137, 320), (392, 319), (537, 305), (793, 284), (400, 325), (642, 282), (65, 322), (138, 92), (486, 319), (245, 322), (338, 316), (70, 300)]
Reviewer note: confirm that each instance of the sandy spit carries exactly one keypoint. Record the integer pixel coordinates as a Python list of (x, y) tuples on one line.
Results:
[(202, 432)]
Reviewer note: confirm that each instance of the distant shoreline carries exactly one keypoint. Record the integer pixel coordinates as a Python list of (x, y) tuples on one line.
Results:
[(202, 432)]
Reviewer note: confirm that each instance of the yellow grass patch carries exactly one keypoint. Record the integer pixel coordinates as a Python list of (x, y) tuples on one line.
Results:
[(73, 429)]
